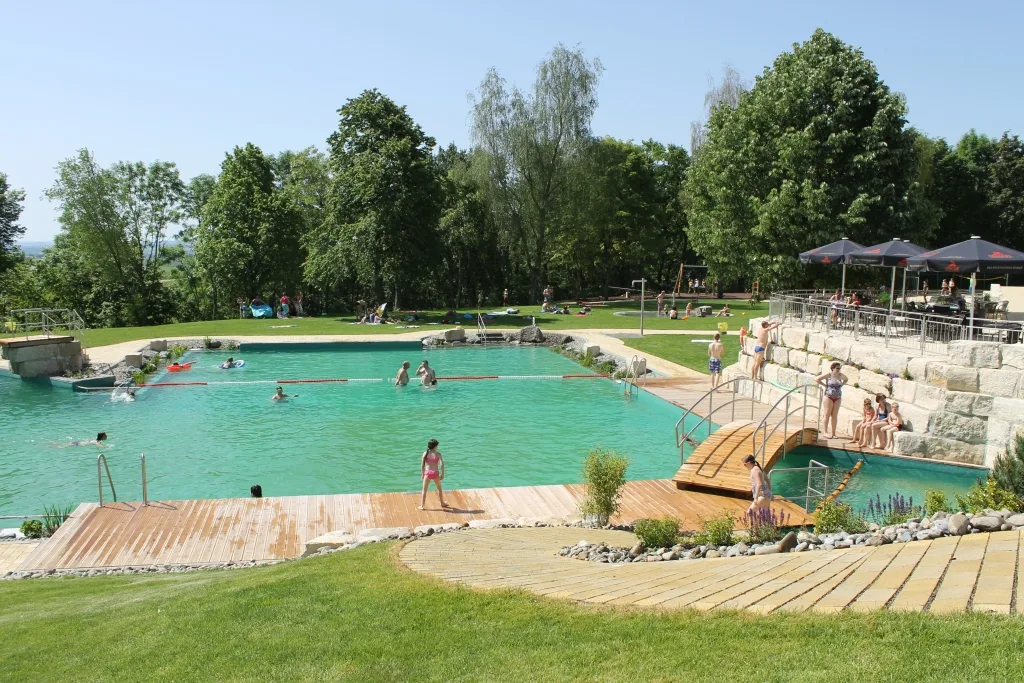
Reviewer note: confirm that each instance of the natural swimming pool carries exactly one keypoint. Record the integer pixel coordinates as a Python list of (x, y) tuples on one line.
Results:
[(217, 440)]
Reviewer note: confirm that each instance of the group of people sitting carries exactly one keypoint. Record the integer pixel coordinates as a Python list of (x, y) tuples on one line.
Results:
[(282, 307), (878, 423)]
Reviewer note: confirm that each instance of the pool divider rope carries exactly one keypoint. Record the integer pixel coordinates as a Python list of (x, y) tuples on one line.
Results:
[(341, 380)]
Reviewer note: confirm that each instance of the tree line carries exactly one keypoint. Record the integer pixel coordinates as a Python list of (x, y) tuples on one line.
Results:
[(815, 149)]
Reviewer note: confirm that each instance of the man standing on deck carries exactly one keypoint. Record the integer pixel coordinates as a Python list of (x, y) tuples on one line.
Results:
[(760, 347), (715, 350)]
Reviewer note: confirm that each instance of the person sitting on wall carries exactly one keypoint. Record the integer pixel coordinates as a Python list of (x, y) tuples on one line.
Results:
[(673, 313)]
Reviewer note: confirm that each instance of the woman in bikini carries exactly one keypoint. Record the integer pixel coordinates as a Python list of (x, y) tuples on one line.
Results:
[(833, 382), (432, 469), (893, 424), (760, 488), (867, 416)]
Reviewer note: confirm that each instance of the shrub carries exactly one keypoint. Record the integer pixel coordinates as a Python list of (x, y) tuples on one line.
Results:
[(32, 528), (657, 533), (987, 494), (832, 517), (935, 501), (139, 377), (604, 473), (716, 531), (766, 525), (54, 516), (177, 351), (896, 510), (207, 343), (1008, 470)]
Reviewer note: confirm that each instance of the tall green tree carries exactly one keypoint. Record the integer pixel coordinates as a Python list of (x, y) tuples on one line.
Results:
[(384, 200), (118, 219), (11, 206), (818, 149), (530, 139), (1006, 192), (248, 235)]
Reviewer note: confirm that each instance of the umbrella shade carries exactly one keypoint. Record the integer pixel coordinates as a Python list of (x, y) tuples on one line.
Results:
[(971, 256), (890, 254), (830, 253)]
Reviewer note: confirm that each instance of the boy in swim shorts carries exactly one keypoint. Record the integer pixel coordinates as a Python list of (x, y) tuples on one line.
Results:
[(715, 349)]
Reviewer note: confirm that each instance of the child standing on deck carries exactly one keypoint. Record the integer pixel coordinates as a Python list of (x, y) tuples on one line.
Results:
[(432, 469)]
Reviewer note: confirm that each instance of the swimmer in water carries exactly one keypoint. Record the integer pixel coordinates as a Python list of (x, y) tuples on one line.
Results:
[(228, 364), (426, 374), (279, 395), (98, 441), (402, 378)]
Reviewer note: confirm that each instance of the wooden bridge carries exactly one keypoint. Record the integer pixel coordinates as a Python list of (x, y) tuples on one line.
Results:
[(717, 463)]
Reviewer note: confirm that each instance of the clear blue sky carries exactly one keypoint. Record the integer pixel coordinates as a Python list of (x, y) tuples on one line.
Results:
[(186, 81)]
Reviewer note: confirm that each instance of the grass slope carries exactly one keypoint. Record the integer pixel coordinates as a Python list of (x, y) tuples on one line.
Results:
[(685, 350), (602, 317), (356, 616)]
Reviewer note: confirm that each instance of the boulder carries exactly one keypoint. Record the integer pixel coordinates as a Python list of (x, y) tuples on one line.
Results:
[(1004, 382), (986, 523), (531, 334), (880, 539), (712, 554), (975, 354), (801, 547), (766, 550), (966, 403), (958, 524), (1016, 520), (788, 542), (456, 334), (637, 548), (158, 345), (389, 533), (738, 549), (332, 539)]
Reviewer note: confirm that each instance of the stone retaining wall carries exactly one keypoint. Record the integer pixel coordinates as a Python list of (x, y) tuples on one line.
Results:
[(966, 407)]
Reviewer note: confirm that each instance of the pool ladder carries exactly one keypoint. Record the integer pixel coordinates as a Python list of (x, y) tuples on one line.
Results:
[(632, 368), (101, 459)]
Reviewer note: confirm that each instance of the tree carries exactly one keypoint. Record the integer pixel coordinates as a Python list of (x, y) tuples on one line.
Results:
[(117, 219), (1006, 192), (248, 235), (384, 200), (726, 94), (529, 140), (11, 206), (817, 150)]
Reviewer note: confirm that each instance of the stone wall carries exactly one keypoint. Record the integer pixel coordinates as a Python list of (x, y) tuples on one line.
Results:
[(44, 360), (966, 407)]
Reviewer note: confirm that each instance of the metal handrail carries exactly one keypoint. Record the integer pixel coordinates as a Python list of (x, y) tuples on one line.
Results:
[(811, 466), (631, 370), (784, 422), (733, 383), (99, 477)]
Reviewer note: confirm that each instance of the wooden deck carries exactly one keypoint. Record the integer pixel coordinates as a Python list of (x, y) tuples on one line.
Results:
[(717, 463), (197, 532)]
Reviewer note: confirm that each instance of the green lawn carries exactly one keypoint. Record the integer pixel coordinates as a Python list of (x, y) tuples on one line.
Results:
[(602, 317), (356, 616), (686, 350)]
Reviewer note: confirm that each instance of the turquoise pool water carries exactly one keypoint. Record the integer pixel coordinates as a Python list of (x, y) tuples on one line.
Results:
[(216, 441), (879, 475)]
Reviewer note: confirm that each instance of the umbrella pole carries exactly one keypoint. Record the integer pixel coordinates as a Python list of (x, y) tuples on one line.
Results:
[(844, 280), (903, 299), (892, 289), (970, 328)]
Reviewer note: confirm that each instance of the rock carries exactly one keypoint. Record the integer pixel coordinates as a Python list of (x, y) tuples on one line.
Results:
[(636, 549), (670, 555), (973, 354), (878, 540), (383, 534), (788, 542), (958, 524), (653, 558), (904, 536), (491, 523), (1006, 527), (711, 554), (740, 548), (986, 523), (424, 530), (1016, 520), (940, 514), (330, 540), (844, 543), (766, 550), (808, 537), (694, 554), (531, 335), (924, 535), (802, 546)]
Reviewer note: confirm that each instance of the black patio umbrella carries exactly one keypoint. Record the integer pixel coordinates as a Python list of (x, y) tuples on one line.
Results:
[(832, 253), (970, 256), (892, 254)]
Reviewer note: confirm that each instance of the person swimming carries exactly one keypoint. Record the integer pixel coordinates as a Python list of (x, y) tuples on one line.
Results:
[(98, 441), (228, 364), (279, 395)]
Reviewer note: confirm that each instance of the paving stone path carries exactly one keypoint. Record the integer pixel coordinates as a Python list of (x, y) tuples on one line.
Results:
[(975, 572)]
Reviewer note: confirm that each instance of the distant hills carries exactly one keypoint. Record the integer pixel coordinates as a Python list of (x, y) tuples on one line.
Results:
[(35, 249)]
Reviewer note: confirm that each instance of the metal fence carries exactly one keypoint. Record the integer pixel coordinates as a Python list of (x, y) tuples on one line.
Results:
[(42, 321), (913, 331)]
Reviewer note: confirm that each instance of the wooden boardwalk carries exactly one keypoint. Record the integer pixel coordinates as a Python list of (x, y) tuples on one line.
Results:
[(978, 572), (717, 463), (243, 529)]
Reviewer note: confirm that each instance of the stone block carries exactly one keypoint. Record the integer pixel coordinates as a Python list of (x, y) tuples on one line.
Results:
[(966, 403), (915, 418), (779, 354), (1004, 382), (928, 396), (937, 448), (1008, 409), (332, 539), (813, 363), (133, 360), (158, 345), (903, 390), (874, 383), (893, 362), (865, 356), (771, 372), (1012, 355), (975, 354), (593, 351), (910, 444), (953, 377), (1001, 434), (788, 377), (917, 368), (957, 427), (852, 373), (838, 348), (455, 334), (816, 342), (798, 359), (794, 337)]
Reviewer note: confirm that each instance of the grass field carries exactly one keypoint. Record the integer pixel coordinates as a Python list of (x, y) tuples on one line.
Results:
[(685, 350), (600, 318), (358, 616)]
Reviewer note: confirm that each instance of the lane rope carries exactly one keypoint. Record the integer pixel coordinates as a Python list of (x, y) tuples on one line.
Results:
[(345, 380)]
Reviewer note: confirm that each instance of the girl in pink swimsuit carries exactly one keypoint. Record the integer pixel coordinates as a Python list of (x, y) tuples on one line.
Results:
[(432, 469)]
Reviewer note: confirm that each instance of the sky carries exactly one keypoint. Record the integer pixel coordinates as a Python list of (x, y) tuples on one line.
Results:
[(187, 81)]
